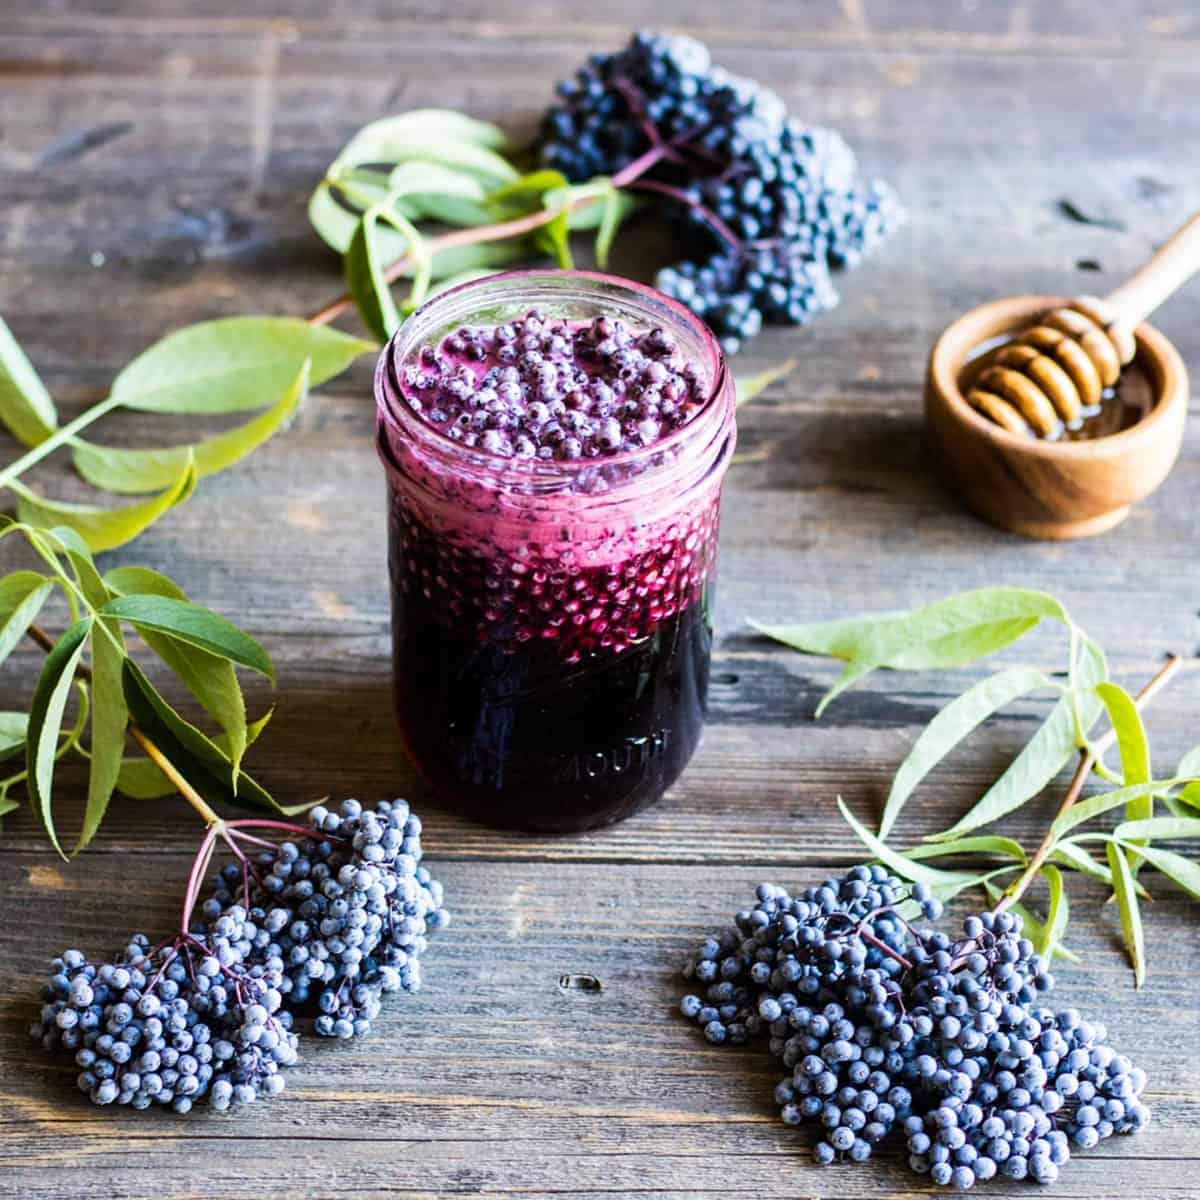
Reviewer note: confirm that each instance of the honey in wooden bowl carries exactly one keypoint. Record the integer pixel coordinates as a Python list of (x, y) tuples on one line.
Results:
[(1079, 484)]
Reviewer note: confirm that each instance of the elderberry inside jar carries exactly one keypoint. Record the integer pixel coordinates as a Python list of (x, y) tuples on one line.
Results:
[(555, 443)]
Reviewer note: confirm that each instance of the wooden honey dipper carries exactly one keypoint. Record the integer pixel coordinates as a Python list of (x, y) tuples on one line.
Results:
[(1055, 372)]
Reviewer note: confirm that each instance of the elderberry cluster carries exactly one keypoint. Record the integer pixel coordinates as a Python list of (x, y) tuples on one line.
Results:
[(882, 1024), (319, 928), (766, 205)]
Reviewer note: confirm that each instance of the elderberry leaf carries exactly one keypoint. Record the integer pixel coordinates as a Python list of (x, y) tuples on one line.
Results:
[(141, 779), (200, 759), (1189, 768), (446, 285), (1045, 754), (1184, 871), (1127, 905), (1134, 748), (14, 729), (69, 542), (104, 528), (952, 632), (953, 723), (986, 844), (554, 236), (1057, 912), (1094, 806), (941, 881), (193, 625), (1158, 827), (232, 364), (210, 677), (366, 281), (109, 720), (334, 222), (135, 471), (749, 387), (22, 595), (437, 135), (26, 408), (616, 206), (1069, 854), (45, 720)]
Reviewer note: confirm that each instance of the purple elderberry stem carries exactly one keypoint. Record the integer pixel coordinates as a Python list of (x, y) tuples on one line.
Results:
[(883, 948), (681, 197), (288, 826), (196, 878), (629, 92)]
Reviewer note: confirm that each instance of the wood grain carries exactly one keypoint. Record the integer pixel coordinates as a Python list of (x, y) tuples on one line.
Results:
[(173, 146)]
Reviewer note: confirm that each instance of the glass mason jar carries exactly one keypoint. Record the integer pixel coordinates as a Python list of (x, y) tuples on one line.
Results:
[(551, 625)]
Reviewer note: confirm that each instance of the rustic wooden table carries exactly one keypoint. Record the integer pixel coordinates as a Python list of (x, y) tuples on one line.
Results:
[(155, 159)]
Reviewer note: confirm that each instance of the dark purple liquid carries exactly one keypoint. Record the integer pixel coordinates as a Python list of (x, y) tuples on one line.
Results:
[(524, 722)]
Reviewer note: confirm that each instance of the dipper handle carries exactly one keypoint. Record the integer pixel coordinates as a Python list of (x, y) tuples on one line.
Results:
[(1171, 266)]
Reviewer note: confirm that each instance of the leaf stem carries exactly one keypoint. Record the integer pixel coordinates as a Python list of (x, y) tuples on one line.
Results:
[(1088, 756), (59, 437)]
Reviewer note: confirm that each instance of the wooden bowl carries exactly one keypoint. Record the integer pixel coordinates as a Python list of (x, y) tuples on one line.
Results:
[(1046, 489)]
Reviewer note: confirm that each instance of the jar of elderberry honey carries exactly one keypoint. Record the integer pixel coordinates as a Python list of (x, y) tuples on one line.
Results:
[(555, 443)]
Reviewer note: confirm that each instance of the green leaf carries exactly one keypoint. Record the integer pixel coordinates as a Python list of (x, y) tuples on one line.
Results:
[(104, 528), (1039, 762), (366, 280), (134, 471), (750, 386), (193, 624), (140, 778), (955, 631), (1130, 732), (14, 728), (616, 206), (439, 193), (970, 845), (22, 595), (1158, 827), (1094, 806), (1057, 913), (201, 760), (955, 721), (334, 222), (232, 364), (1189, 768), (1030, 772), (1068, 854), (1175, 866), (45, 720), (1135, 749), (553, 237), (109, 720), (437, 135), (210, 678), (446, 285), (480, 256), (25, 406), (75, 548), (902, 866), (1127, 904)]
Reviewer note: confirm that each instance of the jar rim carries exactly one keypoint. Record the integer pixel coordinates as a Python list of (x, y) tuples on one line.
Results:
[(392, 411)]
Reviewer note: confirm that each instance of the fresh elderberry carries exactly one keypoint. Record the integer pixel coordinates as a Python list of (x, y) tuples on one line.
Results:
[(881, 1023), (765, 205), (318, 927)]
